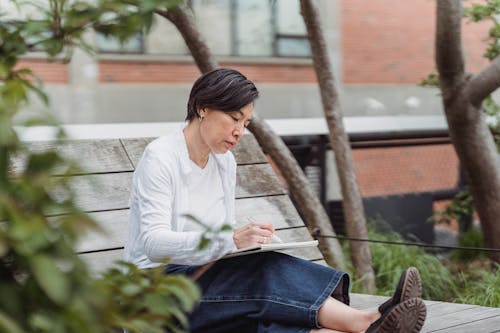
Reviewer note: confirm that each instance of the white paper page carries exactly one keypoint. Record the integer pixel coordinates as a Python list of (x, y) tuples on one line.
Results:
[(270, 247)]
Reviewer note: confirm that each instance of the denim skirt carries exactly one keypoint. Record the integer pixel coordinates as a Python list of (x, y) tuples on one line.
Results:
[(267, 292)]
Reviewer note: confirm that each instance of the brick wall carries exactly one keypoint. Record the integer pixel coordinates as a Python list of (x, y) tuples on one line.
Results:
[(385, 171), (49, 72), (386, 41), (171, 72)]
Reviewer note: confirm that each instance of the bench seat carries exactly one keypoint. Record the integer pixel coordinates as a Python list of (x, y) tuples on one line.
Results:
[(103, 189)]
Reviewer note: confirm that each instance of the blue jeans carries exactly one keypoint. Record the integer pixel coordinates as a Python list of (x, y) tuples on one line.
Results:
[(263, 293)]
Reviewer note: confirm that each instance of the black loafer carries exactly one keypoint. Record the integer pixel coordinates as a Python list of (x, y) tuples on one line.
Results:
[(409, 286), (406, 317)]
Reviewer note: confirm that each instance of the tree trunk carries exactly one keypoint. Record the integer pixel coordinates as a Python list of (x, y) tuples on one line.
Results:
[(352, 204), (182, 19), (307, 202), (462, 99)]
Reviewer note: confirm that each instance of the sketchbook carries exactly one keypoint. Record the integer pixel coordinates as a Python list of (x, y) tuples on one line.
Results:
[(270, 247)]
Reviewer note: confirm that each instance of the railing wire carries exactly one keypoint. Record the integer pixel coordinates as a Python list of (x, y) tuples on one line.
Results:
[(316, 234)]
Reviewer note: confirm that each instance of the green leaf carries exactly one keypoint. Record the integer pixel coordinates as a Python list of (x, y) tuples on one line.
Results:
[(7, 134), (186, 302), (156, 303), (148, 21), (3, 248), (204, 242), (39, 92), (181, 287), (432, 80), (8, 325), (35, 27), (42, 322), (226, 227), (51, 279), (131, 289)]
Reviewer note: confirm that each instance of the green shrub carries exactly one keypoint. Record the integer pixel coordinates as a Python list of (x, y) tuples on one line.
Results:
[(480, 287), (459, 280), (470, 238), (45, 286), (389, 261)]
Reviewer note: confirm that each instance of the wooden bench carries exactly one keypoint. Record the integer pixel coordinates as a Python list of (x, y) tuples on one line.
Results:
[(103, 192)]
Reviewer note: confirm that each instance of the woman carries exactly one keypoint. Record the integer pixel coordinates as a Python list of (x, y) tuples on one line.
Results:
[(192, 172)]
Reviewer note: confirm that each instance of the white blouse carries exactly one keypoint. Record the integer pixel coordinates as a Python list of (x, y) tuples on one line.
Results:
[(206, 197), (158, 228)]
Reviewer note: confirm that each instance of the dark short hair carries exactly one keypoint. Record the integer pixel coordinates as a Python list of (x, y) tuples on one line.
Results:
[(223, 89)]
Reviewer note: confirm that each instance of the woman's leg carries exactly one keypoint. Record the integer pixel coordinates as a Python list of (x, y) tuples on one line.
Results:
[(335, 315), (265, 287)]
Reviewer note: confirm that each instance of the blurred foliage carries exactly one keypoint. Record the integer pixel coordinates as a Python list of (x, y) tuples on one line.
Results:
[(492, 109), (476, 282), (209, 231), (46, 287), (432, 80), (487, 11), (460, 208), (479, 285), (148, 300), (389, 261), (473, 237)]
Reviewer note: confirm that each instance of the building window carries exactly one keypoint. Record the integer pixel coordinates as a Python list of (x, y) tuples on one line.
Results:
[(112, 45), (290, 35), (247, 28), (268, 28)]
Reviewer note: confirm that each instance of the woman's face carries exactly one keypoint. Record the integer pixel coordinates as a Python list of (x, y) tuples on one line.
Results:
[(222, 130)]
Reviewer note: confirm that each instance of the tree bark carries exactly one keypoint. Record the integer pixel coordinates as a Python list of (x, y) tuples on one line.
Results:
[(182, 19), (486, 82), (352, 203), (306, 200), (469, 132)]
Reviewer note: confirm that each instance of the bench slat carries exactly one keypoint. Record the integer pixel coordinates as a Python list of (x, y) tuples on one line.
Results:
[(460, 317), (112, 234), (276, 209), (99, 261), (246, 152), (485, 325), (299, 235), (254, 180), (101, 192), (135, 148), (93, 156), (279, 210)]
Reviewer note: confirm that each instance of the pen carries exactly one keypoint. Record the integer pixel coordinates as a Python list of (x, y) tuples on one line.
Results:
[(276, 239)]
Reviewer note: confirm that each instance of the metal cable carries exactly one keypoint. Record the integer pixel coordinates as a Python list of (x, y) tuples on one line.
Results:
[(316, 234)]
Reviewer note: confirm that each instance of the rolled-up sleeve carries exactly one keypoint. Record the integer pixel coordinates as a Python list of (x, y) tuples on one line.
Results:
[(155, 191)]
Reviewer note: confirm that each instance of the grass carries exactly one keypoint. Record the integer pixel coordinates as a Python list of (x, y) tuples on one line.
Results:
[(479, 282), (453, 280)]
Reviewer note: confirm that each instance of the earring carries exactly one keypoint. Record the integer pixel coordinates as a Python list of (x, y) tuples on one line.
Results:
[(200, 118)]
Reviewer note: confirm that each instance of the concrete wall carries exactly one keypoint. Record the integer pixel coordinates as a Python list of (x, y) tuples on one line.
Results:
[(117, 103)]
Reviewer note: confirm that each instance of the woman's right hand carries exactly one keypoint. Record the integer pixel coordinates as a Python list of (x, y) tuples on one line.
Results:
[(254, 233)]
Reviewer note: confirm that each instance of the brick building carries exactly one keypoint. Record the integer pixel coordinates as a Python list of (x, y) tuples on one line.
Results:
[(379, 49)]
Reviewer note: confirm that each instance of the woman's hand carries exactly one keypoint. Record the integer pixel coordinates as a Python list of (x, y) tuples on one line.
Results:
[(254, 233)]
